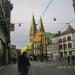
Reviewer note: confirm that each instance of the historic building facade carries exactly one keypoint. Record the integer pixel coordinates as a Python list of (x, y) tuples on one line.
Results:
[(63, 43), (53, 46), (13, 51), (5, 13), (38, 38)]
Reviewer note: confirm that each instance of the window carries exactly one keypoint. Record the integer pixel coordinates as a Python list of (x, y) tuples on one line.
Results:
[(64, 39), (64, 46), (65, 52), (60, 47), (70, 52), (69, 45), (69, 38), (60, 40)]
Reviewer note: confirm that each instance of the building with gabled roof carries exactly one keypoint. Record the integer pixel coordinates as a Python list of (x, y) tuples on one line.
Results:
[(67, 42), (63, 43), (68, 30)]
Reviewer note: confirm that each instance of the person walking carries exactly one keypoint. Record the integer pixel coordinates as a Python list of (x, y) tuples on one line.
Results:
[(68, 59), (19, 62), (72, 59), (51, 56), (25, 63)]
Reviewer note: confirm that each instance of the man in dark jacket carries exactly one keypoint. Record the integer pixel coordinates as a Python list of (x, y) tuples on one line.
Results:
[(68, 59), (72, 59), (25, 64), (19, 62)]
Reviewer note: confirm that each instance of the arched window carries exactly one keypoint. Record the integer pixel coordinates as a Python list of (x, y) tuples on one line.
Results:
[(69, 38), (64, 39), (69, 45), (64, 46)]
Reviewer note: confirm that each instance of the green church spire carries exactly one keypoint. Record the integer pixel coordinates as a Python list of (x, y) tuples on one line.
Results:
[(33, 25), (40, 27)]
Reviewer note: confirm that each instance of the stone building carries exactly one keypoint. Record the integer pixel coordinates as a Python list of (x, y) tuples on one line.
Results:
[(63, 43), (5, 13), (53, 46), (13, 51), (38, 38)]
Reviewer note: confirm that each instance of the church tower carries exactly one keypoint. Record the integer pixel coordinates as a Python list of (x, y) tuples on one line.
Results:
[(37, 37), (33, 29), (41, 33), (40, 27)]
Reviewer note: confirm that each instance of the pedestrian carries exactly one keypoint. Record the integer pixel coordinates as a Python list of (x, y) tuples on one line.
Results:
[(34, 57), (68, 59), (41, 57), (19, 62), (72, 59), (51, 56), (25, 63)]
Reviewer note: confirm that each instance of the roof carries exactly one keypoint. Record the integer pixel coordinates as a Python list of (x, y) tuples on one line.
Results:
[(67, 31), (40, 26), (49, 35), (33, 25)]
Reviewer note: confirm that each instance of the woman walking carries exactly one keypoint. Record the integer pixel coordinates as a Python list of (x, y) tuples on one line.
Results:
[(25, 64)]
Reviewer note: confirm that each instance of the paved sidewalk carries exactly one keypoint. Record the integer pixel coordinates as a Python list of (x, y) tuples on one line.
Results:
[(10, 69), (1, 67)]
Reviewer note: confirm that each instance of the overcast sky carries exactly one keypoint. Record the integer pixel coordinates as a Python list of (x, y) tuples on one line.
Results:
[(23, 10)]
